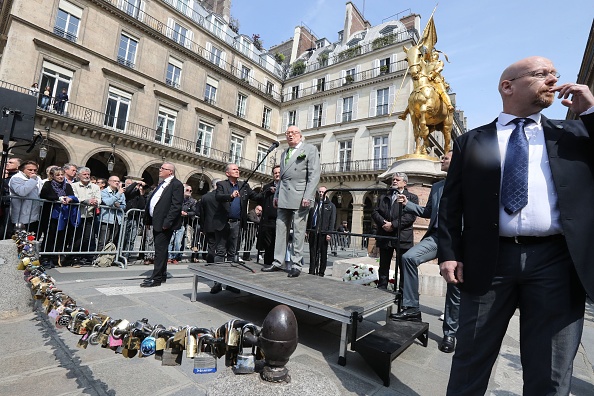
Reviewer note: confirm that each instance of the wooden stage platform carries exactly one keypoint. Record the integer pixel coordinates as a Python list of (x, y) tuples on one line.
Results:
[(341, 301)]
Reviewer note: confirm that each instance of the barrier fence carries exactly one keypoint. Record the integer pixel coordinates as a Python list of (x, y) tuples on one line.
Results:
[(76, 233)]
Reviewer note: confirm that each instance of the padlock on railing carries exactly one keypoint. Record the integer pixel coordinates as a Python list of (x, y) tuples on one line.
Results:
[(172, 354), (246, 363), (205, 362)]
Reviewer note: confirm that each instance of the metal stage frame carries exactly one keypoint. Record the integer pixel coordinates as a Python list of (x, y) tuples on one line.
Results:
[(342, 301)]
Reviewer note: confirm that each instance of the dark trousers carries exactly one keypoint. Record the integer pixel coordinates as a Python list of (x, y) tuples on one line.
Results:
[(451, 313), (211, 247), (541, 281), (317, 262), (161, 240), (226, 241), (267, 239), (108, 233), (386, 254), (83, 235)]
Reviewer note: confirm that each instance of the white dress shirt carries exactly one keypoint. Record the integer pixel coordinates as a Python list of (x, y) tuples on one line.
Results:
[(540, 217), (157, 195)]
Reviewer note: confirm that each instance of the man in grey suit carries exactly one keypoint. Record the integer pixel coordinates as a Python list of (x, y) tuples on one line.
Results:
[(300, 174), (422, 252)]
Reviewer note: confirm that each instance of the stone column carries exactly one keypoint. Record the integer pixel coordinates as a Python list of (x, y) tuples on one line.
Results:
[(357, 222)]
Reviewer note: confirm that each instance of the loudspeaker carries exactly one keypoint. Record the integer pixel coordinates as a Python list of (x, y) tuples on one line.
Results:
[(23, 107)]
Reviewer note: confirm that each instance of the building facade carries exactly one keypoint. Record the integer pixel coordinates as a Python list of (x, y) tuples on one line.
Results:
[(174, 80)]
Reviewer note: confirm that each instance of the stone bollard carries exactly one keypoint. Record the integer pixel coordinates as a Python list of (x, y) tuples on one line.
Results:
[(16, 298)]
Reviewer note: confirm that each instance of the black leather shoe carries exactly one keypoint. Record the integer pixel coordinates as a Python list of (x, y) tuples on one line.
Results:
[(233, 289), (151, 283), (294, 273), (216, 288), (412, 314), (448, 344), (272, 268)]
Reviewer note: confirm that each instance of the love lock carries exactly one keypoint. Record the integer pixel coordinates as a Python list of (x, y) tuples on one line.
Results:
[(246, 363), (205, 362)]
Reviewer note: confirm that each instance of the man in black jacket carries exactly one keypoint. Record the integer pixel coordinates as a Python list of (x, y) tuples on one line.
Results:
[(188, 212), (385, 216), (208, 210), (134, 200), (322, 217), (163, 212)]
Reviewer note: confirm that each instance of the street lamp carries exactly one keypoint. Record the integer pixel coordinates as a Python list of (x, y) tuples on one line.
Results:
[(339, 196), (44, 144), (111, 160)]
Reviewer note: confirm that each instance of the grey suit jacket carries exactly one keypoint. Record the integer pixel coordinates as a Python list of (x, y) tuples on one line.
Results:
[(431, 209), (299, 176)]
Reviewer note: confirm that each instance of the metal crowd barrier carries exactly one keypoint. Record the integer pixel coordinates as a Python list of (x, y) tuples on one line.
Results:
[(71, 238)]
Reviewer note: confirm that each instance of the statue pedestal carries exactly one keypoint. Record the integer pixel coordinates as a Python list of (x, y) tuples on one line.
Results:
[(420, 169)]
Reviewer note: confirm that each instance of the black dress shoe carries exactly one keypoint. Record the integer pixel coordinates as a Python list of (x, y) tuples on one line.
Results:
[(412, 314), (448, 344), (152, 283), (272, 268), (233, 289), (294, 273), (216, 288)]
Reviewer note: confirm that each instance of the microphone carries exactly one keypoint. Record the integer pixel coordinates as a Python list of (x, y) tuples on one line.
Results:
[(271, 148)]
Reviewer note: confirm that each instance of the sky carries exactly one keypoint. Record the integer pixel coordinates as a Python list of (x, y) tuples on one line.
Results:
[(480, 38)]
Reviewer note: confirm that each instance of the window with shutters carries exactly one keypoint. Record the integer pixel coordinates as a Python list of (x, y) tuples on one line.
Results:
[(382, 105), (165, 125), (347, 109), (127, 50), (180, 34), (68, 21), (385, 66), (241, 105), (204, 138), (349, 76), (344, 155), (380, 152), (266, 113), (317, 116), (245, 73), (116, 113), (292, 118), (131, 7), (269, 88), (295, 92), (216, 55), (321, 86)]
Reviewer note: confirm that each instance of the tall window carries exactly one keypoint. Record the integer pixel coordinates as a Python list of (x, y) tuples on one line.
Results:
[(382, 101), (165, 125), (321, 85), (317, 116), (180, 34), (347, 109), (292, 119), (350, 76), (266, 117), (385, 66), (344, 155), (295, 92), (210, 91), (215, 56), (204, 139), (68, 20), (118, 104), (131, 7), (262, 150), (241, 105), (181, 5), (380, 152), (269, 88), (245, 73), (56, 78), (174, 69), (127, 50), (236, 148), (218, 27)]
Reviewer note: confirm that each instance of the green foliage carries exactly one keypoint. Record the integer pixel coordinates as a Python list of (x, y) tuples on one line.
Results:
[(381, 42), (298, 68), (349, 53)]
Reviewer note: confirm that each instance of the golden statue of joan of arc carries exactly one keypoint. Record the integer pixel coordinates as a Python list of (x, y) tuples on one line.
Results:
[(429, 104)]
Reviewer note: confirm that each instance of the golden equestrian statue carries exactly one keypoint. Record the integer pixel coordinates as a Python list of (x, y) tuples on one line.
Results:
[(429, 105)]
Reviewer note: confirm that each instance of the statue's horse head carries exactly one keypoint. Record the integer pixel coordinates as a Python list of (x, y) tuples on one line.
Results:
[(415, 58)]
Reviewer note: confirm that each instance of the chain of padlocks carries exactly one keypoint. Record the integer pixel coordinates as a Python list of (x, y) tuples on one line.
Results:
[(139, 338)]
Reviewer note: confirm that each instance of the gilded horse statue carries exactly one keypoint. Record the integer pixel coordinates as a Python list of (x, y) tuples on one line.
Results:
[(429, 105)]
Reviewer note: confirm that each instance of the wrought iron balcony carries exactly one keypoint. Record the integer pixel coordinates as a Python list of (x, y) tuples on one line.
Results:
[(369, 74), (125, 129), (378, 165)]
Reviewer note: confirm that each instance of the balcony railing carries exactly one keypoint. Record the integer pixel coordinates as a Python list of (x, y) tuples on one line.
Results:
[(163, 29), (147, 134), (369, 165), (347, 80), (62, 33), (359, 50)]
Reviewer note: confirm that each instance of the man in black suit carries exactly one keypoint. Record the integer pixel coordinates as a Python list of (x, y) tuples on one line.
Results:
[(231, 216), (163, 212), (208, 210), (385, 216), (322, 217), (267, 230), (522, 185)]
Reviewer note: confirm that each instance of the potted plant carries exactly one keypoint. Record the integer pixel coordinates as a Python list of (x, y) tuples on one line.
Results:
[(323, 59), (349, 78), (298, 68), (280, 58), (384, 69)]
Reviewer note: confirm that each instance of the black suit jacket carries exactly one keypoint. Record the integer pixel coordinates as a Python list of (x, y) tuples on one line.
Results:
[(266, 199), (208, 210), (471, 192), (167, 213), (223, 196), (326, 219), (384, 210)]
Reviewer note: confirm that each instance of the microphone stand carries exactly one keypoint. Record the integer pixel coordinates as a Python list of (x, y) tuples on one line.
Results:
[(398, 266), (245, 183)]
